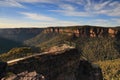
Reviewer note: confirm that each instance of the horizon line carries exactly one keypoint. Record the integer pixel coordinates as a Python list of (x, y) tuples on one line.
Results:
[(55, 26)]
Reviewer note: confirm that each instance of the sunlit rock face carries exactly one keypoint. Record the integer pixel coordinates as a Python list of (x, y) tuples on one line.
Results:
[(88, 71), (112, 32), (86, 31)]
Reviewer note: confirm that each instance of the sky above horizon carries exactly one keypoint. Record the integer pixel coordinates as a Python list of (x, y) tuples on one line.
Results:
[(48, 13)]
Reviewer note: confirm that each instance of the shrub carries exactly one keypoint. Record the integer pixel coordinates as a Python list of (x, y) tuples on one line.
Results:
[(95, 49), (110, 69), (18, 53)]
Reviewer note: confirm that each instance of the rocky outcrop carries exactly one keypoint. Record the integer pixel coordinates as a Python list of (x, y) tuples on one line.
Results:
[(52, 66), (88, 71), (26, 76), (59, 48), (84, 31)]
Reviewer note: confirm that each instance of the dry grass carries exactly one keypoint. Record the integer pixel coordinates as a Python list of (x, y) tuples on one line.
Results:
[(110, 69)]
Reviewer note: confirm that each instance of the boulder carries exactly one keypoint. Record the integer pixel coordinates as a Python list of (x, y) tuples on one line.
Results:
[(88, 71), (26, 76)]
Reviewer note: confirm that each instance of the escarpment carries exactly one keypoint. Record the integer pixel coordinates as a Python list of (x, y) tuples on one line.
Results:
[(85, 31)]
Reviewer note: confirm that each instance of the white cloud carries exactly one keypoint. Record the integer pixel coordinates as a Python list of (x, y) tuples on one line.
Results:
[(35, 1), (90, 8), (100, 22), (104, 22), (18, 3), (5, 23), (116, 20), (100, 6), (11, 23), (67, 7), (65, 23), (47, 19), (11, 3), (81, 2), (109, 8), (36, 16), (72, 13), (70, 10)]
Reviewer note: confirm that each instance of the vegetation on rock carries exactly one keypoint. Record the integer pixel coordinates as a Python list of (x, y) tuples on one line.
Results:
[(110, 69), (96, 49), (18, 53)]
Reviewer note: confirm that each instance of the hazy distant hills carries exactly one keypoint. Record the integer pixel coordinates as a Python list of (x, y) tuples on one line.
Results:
[(6, 44), (10, 38), (20, 34)]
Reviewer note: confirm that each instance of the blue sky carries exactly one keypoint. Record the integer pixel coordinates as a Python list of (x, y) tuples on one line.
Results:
[(47, 13)]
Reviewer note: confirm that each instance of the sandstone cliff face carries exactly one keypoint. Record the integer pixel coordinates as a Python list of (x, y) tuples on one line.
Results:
[(86, 31)]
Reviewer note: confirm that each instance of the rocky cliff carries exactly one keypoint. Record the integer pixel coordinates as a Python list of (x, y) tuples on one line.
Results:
[(65, 65), (85, 31)]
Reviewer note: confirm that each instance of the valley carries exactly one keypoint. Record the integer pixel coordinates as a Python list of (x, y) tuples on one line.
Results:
[(57, 52)]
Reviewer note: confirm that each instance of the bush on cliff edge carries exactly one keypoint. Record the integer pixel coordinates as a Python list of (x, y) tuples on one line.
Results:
[(95, 49)]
